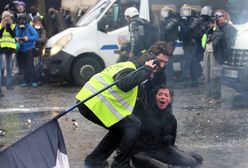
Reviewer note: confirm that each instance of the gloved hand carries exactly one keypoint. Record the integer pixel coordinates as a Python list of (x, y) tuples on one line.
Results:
[(168, 140), (8, 28)]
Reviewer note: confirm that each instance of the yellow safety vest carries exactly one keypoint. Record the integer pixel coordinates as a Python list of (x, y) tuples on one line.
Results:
[(7, 41), (113, 104)]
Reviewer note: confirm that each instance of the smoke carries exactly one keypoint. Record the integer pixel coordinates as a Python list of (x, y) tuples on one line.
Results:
[(238, 11)]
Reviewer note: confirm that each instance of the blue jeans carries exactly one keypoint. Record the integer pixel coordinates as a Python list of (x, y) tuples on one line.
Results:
[(9, 67), (1, 67)]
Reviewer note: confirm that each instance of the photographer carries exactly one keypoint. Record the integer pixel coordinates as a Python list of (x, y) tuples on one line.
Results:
[(26, 36), (8, 46)]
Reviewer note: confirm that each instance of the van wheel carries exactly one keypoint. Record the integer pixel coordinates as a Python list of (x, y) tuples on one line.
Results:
[(84, 69)]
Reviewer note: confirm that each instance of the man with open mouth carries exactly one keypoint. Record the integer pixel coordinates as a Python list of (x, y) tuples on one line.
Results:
[(155, 147)]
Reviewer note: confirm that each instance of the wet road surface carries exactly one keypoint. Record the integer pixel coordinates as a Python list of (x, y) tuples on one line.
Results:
[(218, 133)]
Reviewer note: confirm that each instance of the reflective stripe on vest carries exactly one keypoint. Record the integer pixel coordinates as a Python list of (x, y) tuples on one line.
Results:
[(6, 40), (112, 105)]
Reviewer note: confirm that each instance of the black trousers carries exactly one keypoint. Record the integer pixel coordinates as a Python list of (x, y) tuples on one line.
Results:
[(121, 136), (26, 64), (167, 155)]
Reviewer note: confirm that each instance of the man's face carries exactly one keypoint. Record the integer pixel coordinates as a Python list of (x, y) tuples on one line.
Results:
[(163, 60), (221, 20), (20, 8), (163, 98)]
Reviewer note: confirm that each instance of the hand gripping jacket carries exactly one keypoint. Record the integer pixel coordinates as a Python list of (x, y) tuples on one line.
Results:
[(113, 104)]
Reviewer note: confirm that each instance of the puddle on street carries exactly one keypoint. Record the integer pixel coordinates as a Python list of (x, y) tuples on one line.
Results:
[(15, 126)]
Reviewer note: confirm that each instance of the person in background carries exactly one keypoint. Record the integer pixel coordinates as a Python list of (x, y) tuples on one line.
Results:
[(37, 24), (68, 18), (1, 73), (7, 46), (26, 36), (52, 26), (112, 109), (136, 30), (20, 9), (33, 13), (220, 39), (190, 35), (170, 33), (155, 147)]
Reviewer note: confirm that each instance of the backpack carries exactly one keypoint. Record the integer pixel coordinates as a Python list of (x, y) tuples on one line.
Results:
[(150, 33)]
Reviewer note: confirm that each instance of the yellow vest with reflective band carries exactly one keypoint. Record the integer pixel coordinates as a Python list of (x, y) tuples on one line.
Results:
[(204, 40), (7, 41), (113, 104)]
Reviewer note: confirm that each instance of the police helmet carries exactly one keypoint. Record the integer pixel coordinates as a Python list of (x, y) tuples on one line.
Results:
[(185, 10), (167, 10), (206, 10), (131, 12)]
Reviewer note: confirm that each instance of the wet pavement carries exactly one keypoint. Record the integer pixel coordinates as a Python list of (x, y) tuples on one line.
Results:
[(217, 132)]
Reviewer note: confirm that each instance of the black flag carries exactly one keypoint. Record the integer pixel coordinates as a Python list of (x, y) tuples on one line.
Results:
[(43, 148)]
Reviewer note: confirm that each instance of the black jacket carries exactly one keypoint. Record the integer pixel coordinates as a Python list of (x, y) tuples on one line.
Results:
[(169, 29), (223, 39), (127, 81), (159, 127)]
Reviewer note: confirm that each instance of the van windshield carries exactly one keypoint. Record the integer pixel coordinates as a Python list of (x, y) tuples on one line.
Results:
[(93, 13)]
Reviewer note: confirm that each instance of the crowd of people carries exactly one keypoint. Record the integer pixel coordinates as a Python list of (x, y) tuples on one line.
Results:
[(23, 35), (199, 29), (137, 111)]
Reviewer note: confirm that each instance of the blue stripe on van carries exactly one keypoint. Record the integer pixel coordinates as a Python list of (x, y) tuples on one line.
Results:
[(179, 44), (109, 47)]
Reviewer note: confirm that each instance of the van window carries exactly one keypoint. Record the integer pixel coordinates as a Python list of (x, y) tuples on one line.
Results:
[(93, 13), (114, 17)]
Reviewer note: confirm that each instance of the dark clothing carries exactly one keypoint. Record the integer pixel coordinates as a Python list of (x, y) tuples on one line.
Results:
[(26, 61), (124, 133), (155, 146), (121, 135), (158, 125), (136, 29), (169, 29), (166, 155), (223, 38), (170, 32), (38, 53), (190, 35)]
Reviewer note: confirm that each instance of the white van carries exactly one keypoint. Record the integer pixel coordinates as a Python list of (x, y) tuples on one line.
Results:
[(79, 52)]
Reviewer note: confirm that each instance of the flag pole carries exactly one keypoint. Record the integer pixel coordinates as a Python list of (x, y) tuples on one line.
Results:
[(95, 94)]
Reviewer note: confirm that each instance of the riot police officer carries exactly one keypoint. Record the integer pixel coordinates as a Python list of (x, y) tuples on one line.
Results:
[(190, 35), (169, 30)]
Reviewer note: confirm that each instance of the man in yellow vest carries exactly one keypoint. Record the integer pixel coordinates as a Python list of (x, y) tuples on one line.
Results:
[(7, 46), (112, 109)]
